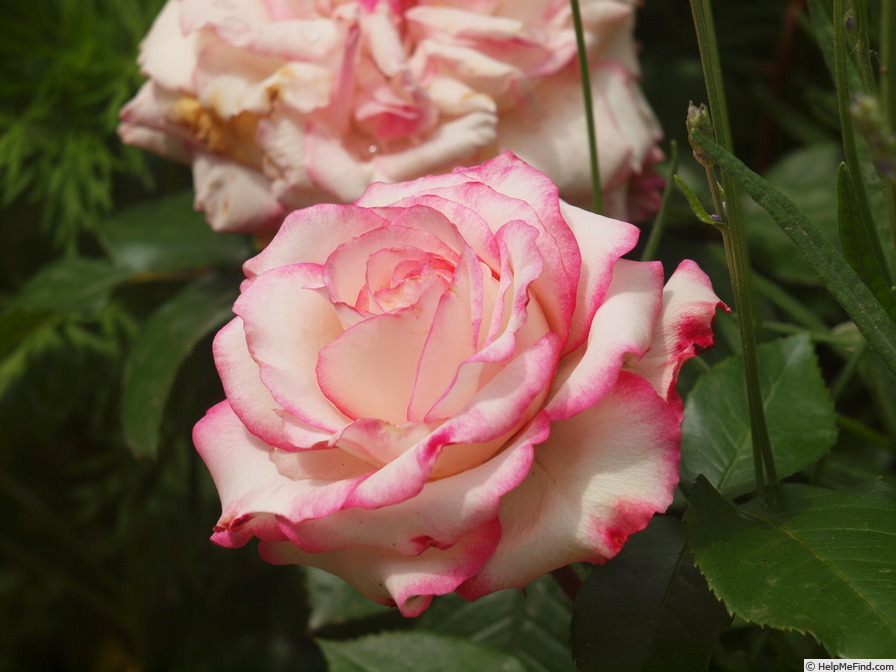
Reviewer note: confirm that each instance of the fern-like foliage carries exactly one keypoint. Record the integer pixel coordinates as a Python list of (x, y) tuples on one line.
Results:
[(66, 68)]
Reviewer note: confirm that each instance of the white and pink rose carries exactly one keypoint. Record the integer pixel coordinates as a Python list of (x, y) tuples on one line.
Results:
[(281, 104), (453, 384)]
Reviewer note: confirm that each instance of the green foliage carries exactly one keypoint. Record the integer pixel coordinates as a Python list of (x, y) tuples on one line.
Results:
[(66, 68), (834, 271), (716, 434), (648, 608), (405, 652), (808, 559), (533, 626), (166, 339), (166, 237), (807, 176)]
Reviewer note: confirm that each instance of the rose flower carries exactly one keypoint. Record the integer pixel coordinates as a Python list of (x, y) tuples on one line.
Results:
[(280, 105), (453, 384)]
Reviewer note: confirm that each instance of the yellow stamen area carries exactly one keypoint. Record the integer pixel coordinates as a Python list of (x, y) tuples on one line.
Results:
[(232, 137)]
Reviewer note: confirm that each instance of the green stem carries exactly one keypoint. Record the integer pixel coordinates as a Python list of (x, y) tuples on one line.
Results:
[(863, 431), (596, 193), (850, 149), (859, 9), (734, 239), (659, 222), (849, 370), (888, 61), (888, 92)]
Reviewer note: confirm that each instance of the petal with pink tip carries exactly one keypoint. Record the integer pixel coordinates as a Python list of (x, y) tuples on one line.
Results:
[(369, 370), (379, 442), (440, 515), (683, 330), (254, 489), (453, 338), (622, 328), (499, 409), (311, 235), (618, 465), (287, 323), (250, 399), (517, 321), (392, 578), (602, 241), (468, 228), (346, 267)]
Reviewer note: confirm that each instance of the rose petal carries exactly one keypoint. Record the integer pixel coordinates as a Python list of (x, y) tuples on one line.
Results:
[(369, 370), (234, 198), (168, 54), (310, 236), (622, 329), (614, 474), (251, 400), (254, 491), (287, 323), (601, 241), (684, 329), (391, 578), (440, 515)]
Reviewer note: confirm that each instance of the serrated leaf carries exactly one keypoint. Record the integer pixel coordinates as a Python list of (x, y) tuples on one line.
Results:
[(168, 236), (812, 560), (335, 601), (70, 285), (414, 652), (814, 247), (648, 608), (716, 439), (533, 625), (162, 345)]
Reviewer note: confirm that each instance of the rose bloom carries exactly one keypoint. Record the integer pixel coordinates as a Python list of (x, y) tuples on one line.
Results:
[(453, 384), (280, 104)]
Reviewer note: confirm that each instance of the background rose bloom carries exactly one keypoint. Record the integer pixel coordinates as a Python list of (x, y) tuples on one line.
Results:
[(282, 105), (454, 384)]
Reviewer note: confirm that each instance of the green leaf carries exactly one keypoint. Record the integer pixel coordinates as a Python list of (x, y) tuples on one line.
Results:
[(860, 251), (813, 560), (23, 337), (837, 275), (167, 236), (807, 177), (165, 341), (648, 608), (335, 601), (533, 625), (694, 201), (414, 652), (70, 285), (801, 421)]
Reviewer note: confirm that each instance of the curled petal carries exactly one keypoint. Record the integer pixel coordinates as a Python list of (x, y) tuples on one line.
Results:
[(395, 579), (622, 330), (234, 198), (684, 329), (615, 475), (286, 323)]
